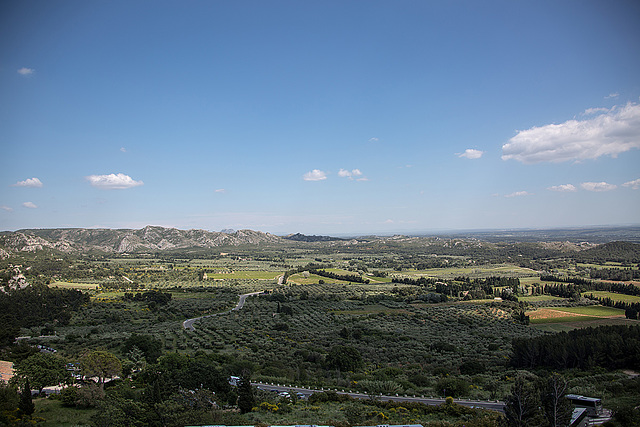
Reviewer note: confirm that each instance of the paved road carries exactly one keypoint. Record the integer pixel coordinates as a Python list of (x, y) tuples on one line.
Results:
[(188, 324), (495, 406)]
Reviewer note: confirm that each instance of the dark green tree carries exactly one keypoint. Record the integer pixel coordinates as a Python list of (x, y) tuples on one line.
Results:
[(9, 401), (101, 364), (246, 400), (522, 406), (344, 358), (557, 408), (150, 346), (26, 404), (42, 370)]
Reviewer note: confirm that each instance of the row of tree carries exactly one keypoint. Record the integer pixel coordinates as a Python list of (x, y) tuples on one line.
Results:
[(609, 347), (36, 305)]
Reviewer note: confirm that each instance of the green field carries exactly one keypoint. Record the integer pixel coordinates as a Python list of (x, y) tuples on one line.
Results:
[(259, 275), (580, 314), (473, 271), (310, 279), (605, 265), (613, 296), (571, 325), (57, 415), (530, 280), (596, 310), (536, 298), (69, 285), (564, 319)]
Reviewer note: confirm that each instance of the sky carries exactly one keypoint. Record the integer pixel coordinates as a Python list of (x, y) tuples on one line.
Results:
[(320, 117)]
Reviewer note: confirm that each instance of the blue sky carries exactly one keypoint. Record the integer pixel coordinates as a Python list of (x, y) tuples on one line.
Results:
[(319, 117)]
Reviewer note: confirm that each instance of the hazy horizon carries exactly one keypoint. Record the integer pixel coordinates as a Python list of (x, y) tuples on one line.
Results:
[(326, 118)]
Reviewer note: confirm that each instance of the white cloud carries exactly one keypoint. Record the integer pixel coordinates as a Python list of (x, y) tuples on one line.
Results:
[(611, 133), (471, 153), (31, 182), (24, 71), (113, 181), (635, 184), (374, 139), (518, 194), (563, 188), (29, 205), (6, 208), (597, 186), (612, 95), (124, 150), (314, 175), (221, 190), (352, 174)]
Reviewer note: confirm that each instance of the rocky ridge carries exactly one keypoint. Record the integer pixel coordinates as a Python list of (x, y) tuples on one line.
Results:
[(150, 238)]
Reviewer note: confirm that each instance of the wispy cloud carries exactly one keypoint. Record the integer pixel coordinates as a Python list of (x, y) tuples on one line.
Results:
[(24, 71), (597, 186), (611, 133), (597, 110), (113, 181), (29, 205), (471, 153), (314, 175), (635, 184), (518, 194), (349, 174), (563, 188), (374, 139), (220, 190), (124, 150), (31, 182), (612, 95), (6, 208)]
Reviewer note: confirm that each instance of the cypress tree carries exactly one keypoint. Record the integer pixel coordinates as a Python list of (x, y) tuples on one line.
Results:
[(246, 400), (26, 405)]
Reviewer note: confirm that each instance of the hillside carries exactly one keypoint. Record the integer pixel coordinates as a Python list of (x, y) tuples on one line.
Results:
[(613, 251), (150, 238)]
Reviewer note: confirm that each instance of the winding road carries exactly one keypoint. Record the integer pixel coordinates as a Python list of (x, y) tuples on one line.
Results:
[(188, 324)]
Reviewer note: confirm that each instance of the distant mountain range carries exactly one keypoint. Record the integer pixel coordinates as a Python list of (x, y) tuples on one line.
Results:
[(147, 239), (155, 239)]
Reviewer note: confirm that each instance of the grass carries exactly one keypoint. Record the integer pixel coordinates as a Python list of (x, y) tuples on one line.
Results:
[(69, 285), (613, 296), (57, 415)]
